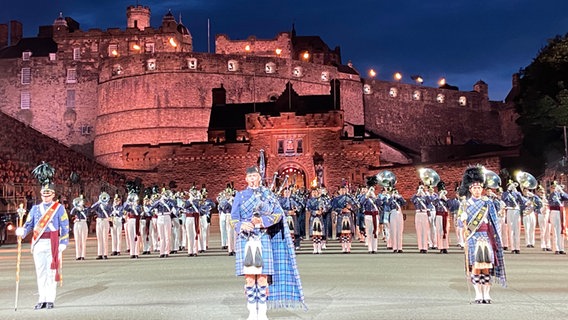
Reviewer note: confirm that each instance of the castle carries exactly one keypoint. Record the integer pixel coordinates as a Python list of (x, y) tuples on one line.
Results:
[(142, 102)]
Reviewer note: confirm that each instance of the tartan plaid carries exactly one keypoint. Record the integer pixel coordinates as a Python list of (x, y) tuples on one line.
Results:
[(286, 288), (267, 259), (472, 207)]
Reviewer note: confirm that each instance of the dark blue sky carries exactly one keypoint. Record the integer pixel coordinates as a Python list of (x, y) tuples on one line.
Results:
[(463, 41)]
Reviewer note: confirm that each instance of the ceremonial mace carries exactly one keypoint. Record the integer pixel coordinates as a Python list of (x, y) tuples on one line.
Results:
[(21, 212)]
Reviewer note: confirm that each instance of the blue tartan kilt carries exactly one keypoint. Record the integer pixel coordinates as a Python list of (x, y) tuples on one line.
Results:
[(267, 259), (471, 243)]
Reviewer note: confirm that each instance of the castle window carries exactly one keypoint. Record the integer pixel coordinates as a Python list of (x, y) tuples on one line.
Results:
[(298, 72), (151, 64), (71, 75), (280, 146), (116, 70), (393, 92), (149, 47), (324, 76), (270, 67), (300, 147), (70, 99), (440, 98), (52, 56), (462, 101), (25, 100), (26, 55), (232, 65), (367, 89), (113, 50), (26, 76), (416, 95), (76, 53), (86, 130), (192, 63)]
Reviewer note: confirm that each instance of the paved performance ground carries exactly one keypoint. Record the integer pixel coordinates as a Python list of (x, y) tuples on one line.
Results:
[(336, 286)]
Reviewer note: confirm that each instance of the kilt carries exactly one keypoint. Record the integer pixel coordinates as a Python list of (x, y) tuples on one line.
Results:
[(267, 259)]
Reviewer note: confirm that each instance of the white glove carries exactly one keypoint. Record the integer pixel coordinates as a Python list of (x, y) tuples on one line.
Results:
[(62, 247), (20, 231), (463, 216)]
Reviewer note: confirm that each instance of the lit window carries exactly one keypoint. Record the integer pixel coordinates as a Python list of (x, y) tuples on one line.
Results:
[(393, 92), (76, 53), (113, 50), (25, 100), (26, 76), (367, 89), (192, 63), (280, 146), (270, 67), (52, 56), (416, 95), (151, 64), (300, 147), (149, 47), (462, 101), (72, 75), (298, 72), (232, 65), (325, 76), (26, 55), (71, 99), (440, 98)]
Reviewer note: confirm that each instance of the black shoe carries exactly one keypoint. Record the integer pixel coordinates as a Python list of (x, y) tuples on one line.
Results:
[(231, 253), (78, 258), (548, 249), (505, 248), (173, 252), (399, 251), (49, 305), (562, 252), (117, 253), (82, 258), (105, 257), (114, 253), (389, 248), (395, 251), (132, 257), (162, 256), (99, 258), (517, 251), (40, 305), (487, 301)]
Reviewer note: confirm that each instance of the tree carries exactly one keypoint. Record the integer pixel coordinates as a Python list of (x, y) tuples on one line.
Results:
[(542, 102)]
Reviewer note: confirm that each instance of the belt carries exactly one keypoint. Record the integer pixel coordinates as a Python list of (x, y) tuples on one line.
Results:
[(421, 211), (131, 216), (191, 214), (557, 208), (46, 235), (80, 220)]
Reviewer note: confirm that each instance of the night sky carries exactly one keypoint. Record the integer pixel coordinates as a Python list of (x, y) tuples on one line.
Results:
[(463, 41)]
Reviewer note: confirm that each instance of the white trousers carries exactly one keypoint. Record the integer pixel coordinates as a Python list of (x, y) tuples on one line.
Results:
[(558, 237), (443, 243), (191, 232), (396, 227), (372, 234), (223, 228), (529, 221), (422, 229), (154, 234), (203, 232), (176, 234), (116, 233), (102, 236), (164, 225), (133, 240), (145, 235), (46, 285), (544, 230), (514, 219), (80, 234), (433, 232)]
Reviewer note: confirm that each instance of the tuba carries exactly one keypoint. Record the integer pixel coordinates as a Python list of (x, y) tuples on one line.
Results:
[(104, 197), (386, 179), (492, 180), (429, 177), (526, 180)]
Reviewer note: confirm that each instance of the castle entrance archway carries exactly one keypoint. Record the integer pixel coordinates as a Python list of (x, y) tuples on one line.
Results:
[(295, 173)]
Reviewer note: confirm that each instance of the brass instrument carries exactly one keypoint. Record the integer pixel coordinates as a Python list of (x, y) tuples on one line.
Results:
[(386, 179), (492, 180), (429, 177), (526, 180)]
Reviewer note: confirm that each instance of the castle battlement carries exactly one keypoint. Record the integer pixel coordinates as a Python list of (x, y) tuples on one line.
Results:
[(289, 120)]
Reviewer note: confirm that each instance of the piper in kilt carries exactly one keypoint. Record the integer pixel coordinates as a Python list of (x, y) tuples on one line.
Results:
[(484, 254)]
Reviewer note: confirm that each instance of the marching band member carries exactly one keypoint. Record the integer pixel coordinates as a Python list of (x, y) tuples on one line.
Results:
[(224, 205), (133, 213), (145, 225), (192, 222), (117, 215), (163, 208), (501, 207), (544, 220), (453, 206), (421, 203), (49, 224), (442, 213), (314, 207), (371, 204), (484, 254), (80, 229), (433, 230), (514, 199), (254, 214), (205, 207), (532, 203), (394, 202), (102, 210), (175, 214), (290, 207), (557, 218)]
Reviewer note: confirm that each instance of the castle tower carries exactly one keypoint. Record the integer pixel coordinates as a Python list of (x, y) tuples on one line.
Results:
[(60, 24), (138, 17)]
